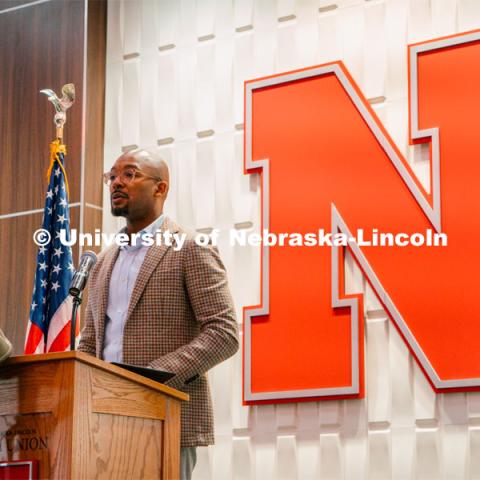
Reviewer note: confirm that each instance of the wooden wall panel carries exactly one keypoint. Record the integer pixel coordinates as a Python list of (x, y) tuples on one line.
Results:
[(42, 46), (92, 220), (7, 4), (96, 54), (19, 253)]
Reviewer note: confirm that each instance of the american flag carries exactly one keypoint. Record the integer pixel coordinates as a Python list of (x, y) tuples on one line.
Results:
[(51, 308)]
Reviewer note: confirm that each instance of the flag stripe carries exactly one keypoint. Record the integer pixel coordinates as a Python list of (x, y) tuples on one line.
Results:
[(60, 319), (61, 343), (35, 341)]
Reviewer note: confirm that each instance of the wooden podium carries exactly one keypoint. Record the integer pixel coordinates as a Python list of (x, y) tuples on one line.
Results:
[(82, 418)]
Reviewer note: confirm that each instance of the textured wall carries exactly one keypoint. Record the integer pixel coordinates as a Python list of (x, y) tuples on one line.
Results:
[(175, 72)]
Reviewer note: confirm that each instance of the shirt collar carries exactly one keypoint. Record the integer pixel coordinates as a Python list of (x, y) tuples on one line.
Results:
[(150, 229)]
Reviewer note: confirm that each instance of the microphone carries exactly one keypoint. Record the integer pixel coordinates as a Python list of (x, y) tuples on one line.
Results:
[(79, 280)]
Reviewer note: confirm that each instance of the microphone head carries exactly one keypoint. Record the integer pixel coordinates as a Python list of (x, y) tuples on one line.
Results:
[(80, 277), (89, 254)]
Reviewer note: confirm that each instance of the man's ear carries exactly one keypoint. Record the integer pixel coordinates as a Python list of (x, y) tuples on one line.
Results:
[(161, 189)]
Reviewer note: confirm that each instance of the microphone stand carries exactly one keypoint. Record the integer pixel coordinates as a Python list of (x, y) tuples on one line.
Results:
[(77, 301)]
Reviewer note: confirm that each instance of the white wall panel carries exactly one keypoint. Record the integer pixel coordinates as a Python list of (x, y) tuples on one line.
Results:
[(221, 458), (444, 17), (243, 69), (330, 415), (351, 25), (379, 455), (474, 453), (242, 416), (204, 85), (168, 153), (148, 93), (203, 467), (308, 456), (242, 459), (148, 30), (113, 100), (265, 24), (224, 20), (285, 8), (428, 454), (401, 377), (419, 20), (205, 18), (396, 24), (374, 53), (167, 19), (378, 372), (307, 416), (186, 92), (473, 402), (468, 14), (265, 457), (115, 32), (184, 167), (166, 106), (130, 96), (203, 184), (224, 171), (224, 85), (175, 79), (286, 462), (354, 440), (331, 461), (307, 32), (454, 451), (453, 409), (243, 188), (371, 302), (425, 399), (243, 13), (286, 48), (287, 415), (403, 453), (329, 39), (188, 22), (395, 120), (132, 18)]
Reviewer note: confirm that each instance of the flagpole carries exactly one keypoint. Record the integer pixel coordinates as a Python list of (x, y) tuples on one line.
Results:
[(51, 306)]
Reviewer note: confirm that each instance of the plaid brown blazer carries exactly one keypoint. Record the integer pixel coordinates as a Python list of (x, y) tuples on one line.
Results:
[(181, 318)]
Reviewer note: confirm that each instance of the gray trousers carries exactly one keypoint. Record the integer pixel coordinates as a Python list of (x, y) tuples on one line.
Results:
[(188, 459)]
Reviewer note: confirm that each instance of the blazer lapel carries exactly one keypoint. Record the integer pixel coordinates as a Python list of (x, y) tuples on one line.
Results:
[(152, 259), (104, 285)]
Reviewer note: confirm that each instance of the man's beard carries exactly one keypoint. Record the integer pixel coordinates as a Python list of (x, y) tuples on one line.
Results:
[(119, 211)]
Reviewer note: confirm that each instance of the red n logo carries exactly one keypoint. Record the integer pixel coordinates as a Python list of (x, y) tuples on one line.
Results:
[(326, 162)]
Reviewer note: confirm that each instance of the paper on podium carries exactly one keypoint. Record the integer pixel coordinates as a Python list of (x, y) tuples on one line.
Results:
[(156, 375)]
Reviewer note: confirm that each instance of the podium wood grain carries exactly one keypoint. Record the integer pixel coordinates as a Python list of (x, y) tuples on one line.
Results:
[(83, 418)]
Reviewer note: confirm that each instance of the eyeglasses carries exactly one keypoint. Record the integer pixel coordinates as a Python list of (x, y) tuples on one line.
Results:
[(126, 176)]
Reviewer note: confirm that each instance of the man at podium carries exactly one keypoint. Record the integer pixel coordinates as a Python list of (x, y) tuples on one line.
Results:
[(166, 305)]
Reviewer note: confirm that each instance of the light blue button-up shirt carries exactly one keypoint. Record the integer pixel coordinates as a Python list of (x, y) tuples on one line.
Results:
[(124, 275)]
